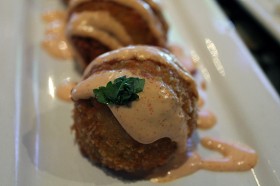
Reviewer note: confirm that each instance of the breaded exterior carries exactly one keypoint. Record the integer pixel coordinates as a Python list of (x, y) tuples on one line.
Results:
[(88, 48), (134, 24), (165, 73), (103, 140)]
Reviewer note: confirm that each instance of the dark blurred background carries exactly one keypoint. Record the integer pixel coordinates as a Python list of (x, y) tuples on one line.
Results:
[(264, 47)]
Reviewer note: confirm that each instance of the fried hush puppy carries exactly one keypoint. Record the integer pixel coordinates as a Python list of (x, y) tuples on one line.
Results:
[(147, 133), (98, 26)]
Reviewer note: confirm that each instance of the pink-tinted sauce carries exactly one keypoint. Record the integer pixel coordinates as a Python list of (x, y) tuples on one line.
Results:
[(63, 91), (206, 119), (203, 85), (202, 96), (235, 158), (143, 9), (55, 42), (200, 102), (184, 60)]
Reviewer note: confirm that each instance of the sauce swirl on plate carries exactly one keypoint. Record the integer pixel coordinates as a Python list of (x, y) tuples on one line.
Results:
[(55, 42), (235, 158)]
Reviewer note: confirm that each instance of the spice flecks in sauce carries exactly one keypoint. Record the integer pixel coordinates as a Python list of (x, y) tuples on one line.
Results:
[(151, 116), (235, 158), (55, 42), (101, 26), (200, 102), (159, 115)]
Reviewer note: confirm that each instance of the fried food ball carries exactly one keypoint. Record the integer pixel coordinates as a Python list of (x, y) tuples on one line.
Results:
[(102, 138), (138, 29)]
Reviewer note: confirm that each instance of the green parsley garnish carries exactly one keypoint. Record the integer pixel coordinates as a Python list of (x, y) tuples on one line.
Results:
[(120, 92)]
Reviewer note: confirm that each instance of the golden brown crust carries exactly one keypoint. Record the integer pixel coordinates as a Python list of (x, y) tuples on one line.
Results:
[(88, 48), (134, 24), (102, 139), (168, 74), (155, 10)]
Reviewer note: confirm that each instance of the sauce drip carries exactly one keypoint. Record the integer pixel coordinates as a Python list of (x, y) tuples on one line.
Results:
[(203, 85), (206, 119), (143, 9), (202, 95), (142, 53), (200, 102), (101, 26), (63, 91), (151, 116), (54, 41), (235, 158), (147, 13), (184, 60)]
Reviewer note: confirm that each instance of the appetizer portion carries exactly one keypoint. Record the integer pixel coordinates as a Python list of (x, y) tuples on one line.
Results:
[(134, 110), (98, 26)]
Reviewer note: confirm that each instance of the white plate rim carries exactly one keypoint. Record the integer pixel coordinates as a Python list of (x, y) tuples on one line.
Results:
[(23, 80)]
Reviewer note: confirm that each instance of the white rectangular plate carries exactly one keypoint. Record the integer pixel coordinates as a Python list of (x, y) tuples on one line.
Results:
[(37, 146)]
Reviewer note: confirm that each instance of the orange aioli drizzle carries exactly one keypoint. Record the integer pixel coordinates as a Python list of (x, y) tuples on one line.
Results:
[(55, 42), (63, 91), (203, 85), (206, 119), (185, 60), (235, 158), (200, 102)]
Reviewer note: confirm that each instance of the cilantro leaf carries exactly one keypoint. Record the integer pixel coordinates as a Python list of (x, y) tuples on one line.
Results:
[(120, 92)]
